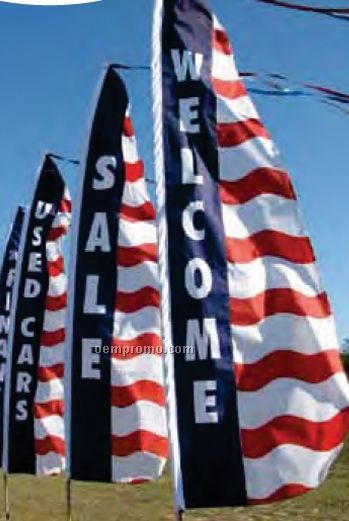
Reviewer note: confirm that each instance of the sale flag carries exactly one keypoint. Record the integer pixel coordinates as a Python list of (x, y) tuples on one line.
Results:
[(115, 410)]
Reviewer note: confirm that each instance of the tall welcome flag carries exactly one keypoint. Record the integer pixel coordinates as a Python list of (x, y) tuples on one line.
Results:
[(116, 414), (258, 399), (33, 422), (7, 276)]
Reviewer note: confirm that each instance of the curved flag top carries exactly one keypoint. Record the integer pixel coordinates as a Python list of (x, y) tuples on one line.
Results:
[(259, 402), (116, 414), (33, 422), (7, 277)]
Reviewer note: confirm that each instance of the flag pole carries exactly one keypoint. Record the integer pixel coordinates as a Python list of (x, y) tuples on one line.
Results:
[(179, 515), (6, 495), (168, 361), (68, 498)]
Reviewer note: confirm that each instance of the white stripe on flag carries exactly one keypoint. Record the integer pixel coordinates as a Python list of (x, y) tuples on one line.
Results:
[(128, 326), (252, 278), (265, 212), (140, 465), (251, 343), (145, 416), (284, 465), (236, 162), (285, 396), (142, 367)]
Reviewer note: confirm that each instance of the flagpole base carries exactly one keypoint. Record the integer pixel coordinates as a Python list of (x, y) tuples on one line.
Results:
[(179, 515), (68, 499), (6, 494)]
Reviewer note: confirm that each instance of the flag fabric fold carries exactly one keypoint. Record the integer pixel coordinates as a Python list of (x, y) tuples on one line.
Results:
[(259, 408), (33, 425), (116, 415)]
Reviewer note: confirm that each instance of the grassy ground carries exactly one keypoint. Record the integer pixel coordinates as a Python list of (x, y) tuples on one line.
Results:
[(36, 500)]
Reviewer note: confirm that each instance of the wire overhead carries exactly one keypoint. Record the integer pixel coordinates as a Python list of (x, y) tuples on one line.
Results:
[(334, 12)]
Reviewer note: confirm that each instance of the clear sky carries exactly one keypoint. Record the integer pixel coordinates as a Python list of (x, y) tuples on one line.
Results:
[(51, 58)]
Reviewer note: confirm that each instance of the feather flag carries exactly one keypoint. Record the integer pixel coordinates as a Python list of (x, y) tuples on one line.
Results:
[(116, 414), (33, 422), (258, 400), (7, 276)]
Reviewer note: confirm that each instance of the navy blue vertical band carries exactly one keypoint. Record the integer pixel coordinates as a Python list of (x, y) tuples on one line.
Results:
[(210, 451), (101, 198), (6, 286), (28, 320)]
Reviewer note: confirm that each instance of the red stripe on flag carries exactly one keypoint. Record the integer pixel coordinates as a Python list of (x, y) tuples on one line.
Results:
[(139, 441), (46, 374), (221, 42), (270, 243), (50, 444), (286, 492), (260, 181), (56, 267), (291, 430), (127, 349), (65, 206), (52, 338), (131, 256), (134, 171), (139, 481), (287, 364), (143, 390), (229, 89), (248, 311), (56, 303), (144, 297), (234, 134), (128, 127), (51, 408), (144, 212), (56, 233)]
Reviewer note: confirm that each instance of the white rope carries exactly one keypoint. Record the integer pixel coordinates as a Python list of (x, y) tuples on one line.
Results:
[(162, 242)]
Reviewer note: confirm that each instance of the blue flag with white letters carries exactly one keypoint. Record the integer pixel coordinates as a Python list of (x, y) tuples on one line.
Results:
[(6, 286), (205, 392)]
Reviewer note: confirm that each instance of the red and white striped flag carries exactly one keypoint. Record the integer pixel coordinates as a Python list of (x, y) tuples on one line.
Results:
[(116, 403), (259, 410), (49, 396), (139, 433), (33, 423), (293, 396)]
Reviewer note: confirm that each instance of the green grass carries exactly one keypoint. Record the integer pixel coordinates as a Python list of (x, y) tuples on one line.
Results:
[(44, 499)]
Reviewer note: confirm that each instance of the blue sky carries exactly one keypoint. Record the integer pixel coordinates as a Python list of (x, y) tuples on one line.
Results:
[(50, 61)]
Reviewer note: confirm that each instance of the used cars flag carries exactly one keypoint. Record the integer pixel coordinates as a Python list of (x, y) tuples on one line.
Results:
[(258, 400), (7, 276), (33, 410), (115, 409)]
